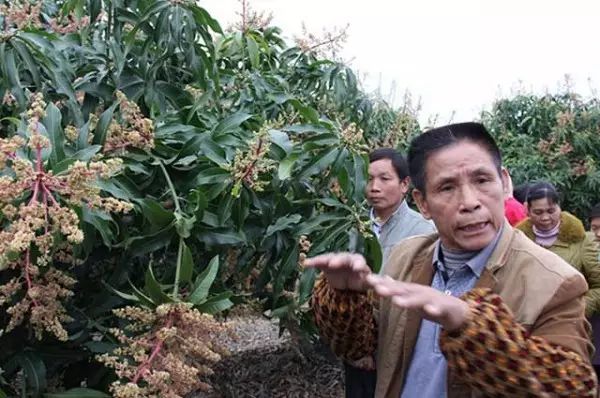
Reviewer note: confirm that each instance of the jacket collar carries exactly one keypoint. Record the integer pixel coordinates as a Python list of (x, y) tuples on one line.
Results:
[(423, 274), (571, 229)]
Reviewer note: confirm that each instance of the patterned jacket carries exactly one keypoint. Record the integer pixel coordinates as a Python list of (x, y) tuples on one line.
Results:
[(526, 334)]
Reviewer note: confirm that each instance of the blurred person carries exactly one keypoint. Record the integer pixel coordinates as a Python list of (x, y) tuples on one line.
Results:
[(594, 234), (476, 309), (595, 222), (514, 210), (520, 193), (563, 234)]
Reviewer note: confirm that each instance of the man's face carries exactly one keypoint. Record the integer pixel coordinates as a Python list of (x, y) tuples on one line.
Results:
[(464, 196), (595, 226), (544, 214), (385, 190)]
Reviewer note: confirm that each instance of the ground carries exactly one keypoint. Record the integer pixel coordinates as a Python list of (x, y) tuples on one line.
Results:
[(264, 365)]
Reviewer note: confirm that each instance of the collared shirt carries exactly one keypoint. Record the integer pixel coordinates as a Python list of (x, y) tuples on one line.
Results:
[(377, 224), (402, 224), (428, 371)]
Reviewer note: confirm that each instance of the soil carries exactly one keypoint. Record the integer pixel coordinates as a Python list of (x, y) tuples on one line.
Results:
[(262, 365)]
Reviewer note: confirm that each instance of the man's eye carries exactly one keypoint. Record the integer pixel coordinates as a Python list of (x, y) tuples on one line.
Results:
[(446, 188)]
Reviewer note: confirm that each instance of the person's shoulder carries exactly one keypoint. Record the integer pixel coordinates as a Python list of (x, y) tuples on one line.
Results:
[(571, 229), (543, 263), (532, 278), (413, 244), (417, 219)]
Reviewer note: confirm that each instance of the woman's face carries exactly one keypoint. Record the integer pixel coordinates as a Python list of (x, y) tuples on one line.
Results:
[(544, 214)]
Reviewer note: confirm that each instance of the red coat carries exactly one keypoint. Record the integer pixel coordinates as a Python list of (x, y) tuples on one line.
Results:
[(514, 211)]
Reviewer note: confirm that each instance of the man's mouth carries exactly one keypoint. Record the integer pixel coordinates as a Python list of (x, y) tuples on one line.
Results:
[(474, 227)]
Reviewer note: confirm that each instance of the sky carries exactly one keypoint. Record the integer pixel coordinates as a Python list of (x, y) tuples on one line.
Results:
[(455, 56)]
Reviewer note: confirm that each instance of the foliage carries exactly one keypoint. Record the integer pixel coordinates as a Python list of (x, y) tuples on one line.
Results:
[(554, 137), (232, 146), (237, 156)]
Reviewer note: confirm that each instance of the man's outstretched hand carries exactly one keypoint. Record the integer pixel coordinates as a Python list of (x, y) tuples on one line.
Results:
[(344, 271), (448, 311), (349, 271)]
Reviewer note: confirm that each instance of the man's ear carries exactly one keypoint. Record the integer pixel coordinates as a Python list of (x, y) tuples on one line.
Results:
[(421, 202), (507, 186), (405, 185)]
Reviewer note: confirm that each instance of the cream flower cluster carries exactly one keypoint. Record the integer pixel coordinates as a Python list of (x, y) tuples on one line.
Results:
[(22, 14), (248, 166), (38, 228), (164, 352), (133, 131)]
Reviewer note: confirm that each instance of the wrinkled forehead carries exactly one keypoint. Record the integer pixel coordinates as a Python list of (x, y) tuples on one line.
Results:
[(463, 159)]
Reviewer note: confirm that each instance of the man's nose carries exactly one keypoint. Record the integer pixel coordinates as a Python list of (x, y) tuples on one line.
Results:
[(469, 199), (373, 186)]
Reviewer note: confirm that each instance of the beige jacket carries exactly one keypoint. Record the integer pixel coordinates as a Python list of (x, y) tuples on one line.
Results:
[(544, 293)]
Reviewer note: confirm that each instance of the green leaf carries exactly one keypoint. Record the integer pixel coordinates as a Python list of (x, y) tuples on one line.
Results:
[(200, 202), (187, 264), (230, 123), (334, 203), (319, 162), (204, 17), (155, 213), (360, 174), (373, 253), (253, 52), (99, 347), (153, 288), (35, 371), (213, 151), (288, 265), (140, 245), (284, 170), (52, 122), (283, 223), (144, 299), (103, 123), (307, 282), (216, 304), (309, 113), (212, 175), (317, 223), (204, 281), (119, 187), (184, 224), (125, 296), (102, 223), (78, 393), (281, 141)]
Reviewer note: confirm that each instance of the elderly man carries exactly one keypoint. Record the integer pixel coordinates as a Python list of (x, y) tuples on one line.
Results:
[(475, 310)]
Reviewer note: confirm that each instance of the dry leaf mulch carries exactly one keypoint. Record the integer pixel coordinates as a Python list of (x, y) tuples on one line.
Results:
[(263, 365)]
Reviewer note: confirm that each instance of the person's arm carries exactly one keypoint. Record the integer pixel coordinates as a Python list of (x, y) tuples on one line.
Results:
[(591, 271), (345, 320), (343, 308), (496, 355)]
